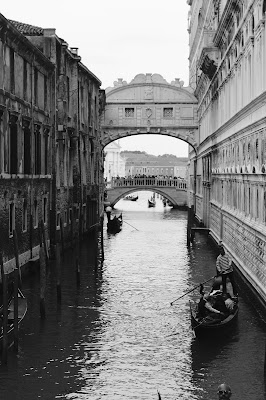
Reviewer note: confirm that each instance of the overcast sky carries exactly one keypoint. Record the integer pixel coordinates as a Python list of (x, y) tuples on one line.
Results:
[(119, 39)]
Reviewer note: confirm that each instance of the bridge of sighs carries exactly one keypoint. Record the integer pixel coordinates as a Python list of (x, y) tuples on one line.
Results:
[(150, 105)]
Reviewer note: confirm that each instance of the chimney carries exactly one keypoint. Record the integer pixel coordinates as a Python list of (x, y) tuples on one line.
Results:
[(74, 50)]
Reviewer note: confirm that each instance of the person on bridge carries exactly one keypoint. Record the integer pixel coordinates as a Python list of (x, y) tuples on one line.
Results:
[(224, 392), (225, 269)]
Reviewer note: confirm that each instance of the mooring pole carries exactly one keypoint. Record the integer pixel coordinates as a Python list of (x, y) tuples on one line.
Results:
[(5, 311), (58, 268), (16, 284), (102, 242), (42, 259), (188, 226)]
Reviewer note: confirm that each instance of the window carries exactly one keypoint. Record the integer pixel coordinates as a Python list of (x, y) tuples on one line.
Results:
[(58, 220), (46, 151), (35, 214), (65, 218), (27, 146), (12, 70), (45, 92), (37, 149), (77, 213), (129, 112), (11, 218), (70, 216), (84, 210), (13, 156), (168, 112), (35, 86), (25, 79), (68, 93), (45, 209), (24, 216)]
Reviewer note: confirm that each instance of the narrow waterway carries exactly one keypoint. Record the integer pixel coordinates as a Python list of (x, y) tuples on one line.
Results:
[(117, 336)]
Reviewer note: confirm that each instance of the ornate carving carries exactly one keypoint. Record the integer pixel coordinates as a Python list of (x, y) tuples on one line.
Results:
[(148, 112), (148, 93)]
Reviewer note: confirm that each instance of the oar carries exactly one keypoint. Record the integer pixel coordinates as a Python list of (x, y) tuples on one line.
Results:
[(130, 225), (159, 396), (192, 290)]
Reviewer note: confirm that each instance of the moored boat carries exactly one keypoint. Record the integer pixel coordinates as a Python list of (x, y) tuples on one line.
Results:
[(22, 310)]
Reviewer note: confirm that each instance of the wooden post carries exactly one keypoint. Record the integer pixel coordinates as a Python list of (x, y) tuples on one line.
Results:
[(42, 260), (16, 284), (62, 237), (58, 269), (188, 226), (5, 311), (44, 242), (77, 264), (102, 242)]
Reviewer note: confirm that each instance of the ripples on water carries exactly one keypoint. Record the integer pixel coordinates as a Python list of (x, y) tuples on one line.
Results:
[(118, 337)]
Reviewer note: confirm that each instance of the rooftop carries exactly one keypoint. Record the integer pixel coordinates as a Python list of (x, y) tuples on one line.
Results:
[(26, 29)]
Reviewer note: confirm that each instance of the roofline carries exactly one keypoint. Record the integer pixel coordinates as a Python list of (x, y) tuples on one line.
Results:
[(24, 39), (112, 90), (81, 65)]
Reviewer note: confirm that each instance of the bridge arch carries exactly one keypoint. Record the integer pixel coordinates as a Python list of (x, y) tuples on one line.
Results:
[(173, 190), (150, 105)]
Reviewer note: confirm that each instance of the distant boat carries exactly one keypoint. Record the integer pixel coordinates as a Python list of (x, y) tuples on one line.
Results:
[(131, 198), (151, 203)]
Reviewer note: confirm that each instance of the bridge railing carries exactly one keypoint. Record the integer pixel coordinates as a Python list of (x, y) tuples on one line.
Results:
[(148, 182)]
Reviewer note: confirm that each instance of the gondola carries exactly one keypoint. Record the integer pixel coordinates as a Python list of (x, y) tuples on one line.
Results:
[(151, 203), (22, 310), (208, 327), (131, 198), (114, 224)]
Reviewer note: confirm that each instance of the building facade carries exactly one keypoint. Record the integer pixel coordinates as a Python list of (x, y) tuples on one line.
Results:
[(227, 172), (114, 163), (51, 157), (26, 140), (156, 169), (78, 186)]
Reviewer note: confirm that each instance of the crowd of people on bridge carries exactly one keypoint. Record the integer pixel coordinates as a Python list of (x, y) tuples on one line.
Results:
[(137, 176)]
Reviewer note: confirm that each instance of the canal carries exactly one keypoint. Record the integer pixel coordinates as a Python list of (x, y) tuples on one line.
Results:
[(116, 336)]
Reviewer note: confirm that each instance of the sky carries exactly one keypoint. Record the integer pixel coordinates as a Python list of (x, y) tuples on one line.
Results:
[(119, 39)]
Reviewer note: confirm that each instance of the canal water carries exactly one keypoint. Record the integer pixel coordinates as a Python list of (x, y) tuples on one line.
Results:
[(117, 336)]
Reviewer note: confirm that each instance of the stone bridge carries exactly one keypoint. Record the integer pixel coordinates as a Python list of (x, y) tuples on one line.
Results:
[(150, 105), (175, 190)]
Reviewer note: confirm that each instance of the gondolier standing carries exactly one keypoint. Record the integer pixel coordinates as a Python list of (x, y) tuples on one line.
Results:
[(225, 269), (108, 211)]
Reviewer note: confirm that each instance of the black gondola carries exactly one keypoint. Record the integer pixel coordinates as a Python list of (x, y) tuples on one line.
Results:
[(151, 203), (206, 326), (114, 224), (22, 309)]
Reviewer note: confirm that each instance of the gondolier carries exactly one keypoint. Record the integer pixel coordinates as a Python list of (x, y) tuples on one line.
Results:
[(225, 269)]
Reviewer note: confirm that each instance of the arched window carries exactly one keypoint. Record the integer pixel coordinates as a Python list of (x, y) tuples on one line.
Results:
[(264, 7)]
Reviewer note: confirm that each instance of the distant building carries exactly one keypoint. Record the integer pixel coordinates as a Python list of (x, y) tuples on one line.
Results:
[(153, 168), (114, 163)]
